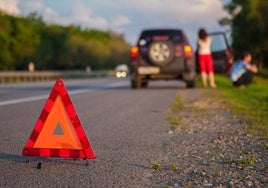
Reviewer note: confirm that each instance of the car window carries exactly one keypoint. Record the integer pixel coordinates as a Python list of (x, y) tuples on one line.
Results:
[(148, 36), (218, 43)]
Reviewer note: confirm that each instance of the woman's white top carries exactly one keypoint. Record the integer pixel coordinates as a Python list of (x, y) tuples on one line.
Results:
[(204, 46)]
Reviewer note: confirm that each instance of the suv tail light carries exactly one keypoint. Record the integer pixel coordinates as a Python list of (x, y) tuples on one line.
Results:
[(134, 51), (188, 52)]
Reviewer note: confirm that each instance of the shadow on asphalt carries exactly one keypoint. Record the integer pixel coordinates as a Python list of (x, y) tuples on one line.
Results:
[(13, 157), (151, 88), (23, 159)]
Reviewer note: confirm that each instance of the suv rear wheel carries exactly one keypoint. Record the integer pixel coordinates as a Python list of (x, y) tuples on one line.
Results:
[(161, 53), (190, 83), (137, 82)]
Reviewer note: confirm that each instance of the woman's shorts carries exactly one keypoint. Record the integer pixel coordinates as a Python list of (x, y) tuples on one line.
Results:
[(205, 63)]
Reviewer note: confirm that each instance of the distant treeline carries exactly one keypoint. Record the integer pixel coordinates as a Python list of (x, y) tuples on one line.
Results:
[(54, 47)]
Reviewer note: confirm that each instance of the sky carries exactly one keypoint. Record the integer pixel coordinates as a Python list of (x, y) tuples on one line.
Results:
[(127, 17)]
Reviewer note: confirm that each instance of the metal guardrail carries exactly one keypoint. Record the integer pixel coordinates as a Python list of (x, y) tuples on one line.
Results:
[(26, 76)]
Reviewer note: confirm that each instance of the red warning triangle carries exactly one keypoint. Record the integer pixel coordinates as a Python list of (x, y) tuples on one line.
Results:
[(58, 131)]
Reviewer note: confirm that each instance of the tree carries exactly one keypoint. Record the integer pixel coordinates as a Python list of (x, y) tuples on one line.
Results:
[(248, 19), (6, 60), (55, 47)]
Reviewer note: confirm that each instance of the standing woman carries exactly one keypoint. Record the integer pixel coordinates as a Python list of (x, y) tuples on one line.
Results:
[(205, 60)]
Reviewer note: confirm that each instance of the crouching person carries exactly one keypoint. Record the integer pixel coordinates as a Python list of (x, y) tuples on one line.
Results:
[(242, 72)]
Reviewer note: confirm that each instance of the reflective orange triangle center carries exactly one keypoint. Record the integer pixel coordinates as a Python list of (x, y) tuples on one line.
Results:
[(58, 117)]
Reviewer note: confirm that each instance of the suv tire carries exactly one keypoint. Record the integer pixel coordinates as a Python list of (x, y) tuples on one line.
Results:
[(161, 53), (137, 83), (190, 83)]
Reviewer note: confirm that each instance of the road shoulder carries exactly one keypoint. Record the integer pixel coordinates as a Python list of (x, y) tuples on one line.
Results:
[(210, 147)]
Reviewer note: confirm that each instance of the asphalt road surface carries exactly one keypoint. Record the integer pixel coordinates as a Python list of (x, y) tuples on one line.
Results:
[(126, 128)]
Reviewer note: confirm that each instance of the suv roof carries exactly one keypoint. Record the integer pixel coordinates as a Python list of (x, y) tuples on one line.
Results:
[(174, 34), (161, 31)]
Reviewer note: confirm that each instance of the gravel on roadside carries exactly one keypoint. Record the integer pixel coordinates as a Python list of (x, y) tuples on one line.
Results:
[(211, 148)]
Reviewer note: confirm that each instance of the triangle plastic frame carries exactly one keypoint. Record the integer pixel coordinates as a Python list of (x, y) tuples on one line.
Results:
[(86, 152)]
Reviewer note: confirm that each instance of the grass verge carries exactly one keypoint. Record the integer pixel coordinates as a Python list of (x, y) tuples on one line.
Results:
[(250, 103)]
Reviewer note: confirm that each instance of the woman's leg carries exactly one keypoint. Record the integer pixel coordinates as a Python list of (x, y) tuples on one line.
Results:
[(204, 79), (211, 71), (212, 80)]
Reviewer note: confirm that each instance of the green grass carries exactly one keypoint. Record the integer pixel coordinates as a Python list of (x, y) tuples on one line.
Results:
[(250, 103)]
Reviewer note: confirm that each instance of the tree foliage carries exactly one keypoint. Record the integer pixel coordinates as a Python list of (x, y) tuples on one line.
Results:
[(55, 47), (248, 19)]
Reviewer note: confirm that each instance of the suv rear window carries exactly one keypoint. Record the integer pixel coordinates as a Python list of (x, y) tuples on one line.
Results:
[(150, 35)]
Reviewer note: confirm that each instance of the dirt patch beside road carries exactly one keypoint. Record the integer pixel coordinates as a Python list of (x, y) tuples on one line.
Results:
[(210, 147)]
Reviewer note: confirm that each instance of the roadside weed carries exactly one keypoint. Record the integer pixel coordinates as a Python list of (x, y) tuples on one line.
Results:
[(248, 161), (155, 166), (174, 118), (266, 146), (174, 167), (216, 174), (177, 105), (167, 186), (244, 162), (174, 121)]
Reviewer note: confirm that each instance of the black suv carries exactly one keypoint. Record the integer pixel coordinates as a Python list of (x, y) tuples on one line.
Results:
[(162, 54)]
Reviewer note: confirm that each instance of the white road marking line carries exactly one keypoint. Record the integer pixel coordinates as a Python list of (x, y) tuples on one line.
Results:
[(22, 100), (72, 92)]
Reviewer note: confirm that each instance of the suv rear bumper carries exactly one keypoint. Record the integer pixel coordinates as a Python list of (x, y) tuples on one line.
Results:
[(179, 68), (190, 76), (148, 70)]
